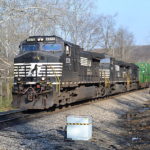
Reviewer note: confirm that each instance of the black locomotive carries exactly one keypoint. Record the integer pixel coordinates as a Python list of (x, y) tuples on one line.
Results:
[(50, 71)]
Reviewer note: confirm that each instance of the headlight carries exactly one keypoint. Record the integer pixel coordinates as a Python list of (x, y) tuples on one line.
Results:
[(40, 39), (43, 78), (19, 79)]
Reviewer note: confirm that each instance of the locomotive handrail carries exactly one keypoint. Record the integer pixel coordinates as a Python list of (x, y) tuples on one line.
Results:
[(57, 79)]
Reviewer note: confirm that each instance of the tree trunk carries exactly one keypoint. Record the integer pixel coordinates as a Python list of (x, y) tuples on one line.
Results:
[(1, 92)]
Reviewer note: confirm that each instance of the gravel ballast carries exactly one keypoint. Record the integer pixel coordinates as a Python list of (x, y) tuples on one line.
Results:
[(48, 133)]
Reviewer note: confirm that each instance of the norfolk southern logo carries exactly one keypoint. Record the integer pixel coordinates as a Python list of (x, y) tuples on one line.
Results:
[(33, 70)]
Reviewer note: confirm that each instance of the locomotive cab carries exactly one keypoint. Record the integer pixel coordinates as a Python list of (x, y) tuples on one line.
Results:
[(40, 58), (38, 71)]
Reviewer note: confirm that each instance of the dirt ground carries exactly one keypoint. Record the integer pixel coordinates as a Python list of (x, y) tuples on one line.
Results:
[(137, 125)]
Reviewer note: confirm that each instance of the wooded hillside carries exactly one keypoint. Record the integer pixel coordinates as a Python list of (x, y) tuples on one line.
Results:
[(139, 53)]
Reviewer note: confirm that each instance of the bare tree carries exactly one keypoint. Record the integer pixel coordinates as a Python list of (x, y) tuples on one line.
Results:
[(20, 19), (78, 24), (124, 41), (73, 20), (107, 31)]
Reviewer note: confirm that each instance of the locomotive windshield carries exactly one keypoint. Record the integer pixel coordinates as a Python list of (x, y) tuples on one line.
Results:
[(105, 63), (52, 47), (29, 47), (44, 47), (105, 60)]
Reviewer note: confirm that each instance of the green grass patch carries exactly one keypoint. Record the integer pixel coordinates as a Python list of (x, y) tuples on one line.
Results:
[(3, 109), (6, 95), (5, 104)]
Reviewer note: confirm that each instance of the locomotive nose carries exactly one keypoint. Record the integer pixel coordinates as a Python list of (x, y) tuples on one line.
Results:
[(36, 57)]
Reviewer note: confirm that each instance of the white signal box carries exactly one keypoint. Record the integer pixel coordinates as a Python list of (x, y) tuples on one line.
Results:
[(79, 127)]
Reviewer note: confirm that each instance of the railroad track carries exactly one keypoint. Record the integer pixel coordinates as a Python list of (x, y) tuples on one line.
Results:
[(10, 117), (15, 117)]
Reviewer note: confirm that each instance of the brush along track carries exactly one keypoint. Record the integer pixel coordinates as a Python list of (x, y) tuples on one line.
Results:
[(12, 118)]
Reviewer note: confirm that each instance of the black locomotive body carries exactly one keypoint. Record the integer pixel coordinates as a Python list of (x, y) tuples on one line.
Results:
[(50, 71), (121, 75)]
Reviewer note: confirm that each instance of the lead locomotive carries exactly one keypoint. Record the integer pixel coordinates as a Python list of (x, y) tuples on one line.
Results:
[(50, 71)]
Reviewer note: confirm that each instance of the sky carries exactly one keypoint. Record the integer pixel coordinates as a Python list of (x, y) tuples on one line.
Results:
[(131, 14)]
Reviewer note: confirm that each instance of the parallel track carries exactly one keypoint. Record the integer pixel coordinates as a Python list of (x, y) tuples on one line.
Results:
[(10, 117), (15, 117)]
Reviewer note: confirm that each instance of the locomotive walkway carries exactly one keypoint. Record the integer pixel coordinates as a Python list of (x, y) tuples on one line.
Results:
[(113, 127)]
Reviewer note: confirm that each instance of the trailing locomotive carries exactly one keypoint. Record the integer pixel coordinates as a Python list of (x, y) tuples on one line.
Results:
[(144, 74), (50, 71)]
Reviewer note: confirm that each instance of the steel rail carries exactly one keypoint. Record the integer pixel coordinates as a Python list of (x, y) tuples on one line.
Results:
[(15, 117)]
